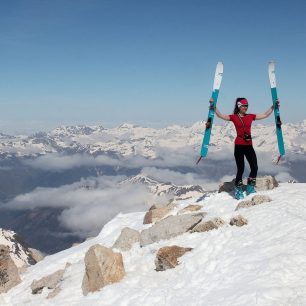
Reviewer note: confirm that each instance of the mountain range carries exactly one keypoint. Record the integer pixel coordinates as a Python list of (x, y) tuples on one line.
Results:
[(72, 159)]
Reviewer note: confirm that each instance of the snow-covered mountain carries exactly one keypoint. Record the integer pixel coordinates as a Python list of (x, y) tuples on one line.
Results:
[(260, 263), (20, 252), (129, 139), (162, 189)]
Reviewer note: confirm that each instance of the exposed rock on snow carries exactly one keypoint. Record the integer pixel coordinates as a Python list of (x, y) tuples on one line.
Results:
[(167, 257), (51, 281), (262, 183), (189, 208), (260, 198), (126, 239), (171, 204), (102, 267), (245, 204), (156, 214), (238, 221), (169, 227), (36, 254), (256, 200), (205, 226), (9, 275), (267, 182), (54, 292), (20, 253)]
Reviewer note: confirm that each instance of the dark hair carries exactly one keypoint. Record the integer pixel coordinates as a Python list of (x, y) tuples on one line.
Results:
[(236, 109)]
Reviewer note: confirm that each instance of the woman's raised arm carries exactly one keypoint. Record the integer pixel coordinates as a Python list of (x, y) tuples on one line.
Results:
[(221, 116), (267, 113)]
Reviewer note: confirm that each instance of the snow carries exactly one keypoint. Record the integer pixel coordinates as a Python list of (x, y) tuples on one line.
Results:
[(129, 139), (262, 263), (18, 253)]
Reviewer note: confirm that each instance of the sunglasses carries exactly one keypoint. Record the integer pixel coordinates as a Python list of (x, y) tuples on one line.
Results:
[(244, 106)]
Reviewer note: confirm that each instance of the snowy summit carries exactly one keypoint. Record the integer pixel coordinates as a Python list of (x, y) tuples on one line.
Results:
[(227, 253)]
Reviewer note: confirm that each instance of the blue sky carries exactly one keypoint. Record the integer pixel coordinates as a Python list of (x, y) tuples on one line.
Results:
[(145, 62)]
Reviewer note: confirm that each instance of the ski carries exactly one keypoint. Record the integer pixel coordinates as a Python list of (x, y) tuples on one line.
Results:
[(211, 111), (278, 123)]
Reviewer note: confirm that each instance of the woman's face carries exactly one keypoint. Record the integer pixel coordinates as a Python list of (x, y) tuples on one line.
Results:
[(243, 109)]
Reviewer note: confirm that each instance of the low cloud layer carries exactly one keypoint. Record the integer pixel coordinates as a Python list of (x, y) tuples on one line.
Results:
[(92, 202), (87, 204)]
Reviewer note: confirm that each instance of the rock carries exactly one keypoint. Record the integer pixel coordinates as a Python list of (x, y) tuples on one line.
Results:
[(256, 200), (266, 183), (169, 227), (171, 204), (9, 275), (259, 199), (209, 225), (227, 186), (19, 250), (262, 183), (36, 255), (126, 239), (102, 267), (189, 208), (245, 204), (156, 214), (238, 221), (54, 293), (167, 257), (50, 281)]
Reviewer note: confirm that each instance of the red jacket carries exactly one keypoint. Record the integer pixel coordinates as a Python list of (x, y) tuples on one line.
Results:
[(247, 120)]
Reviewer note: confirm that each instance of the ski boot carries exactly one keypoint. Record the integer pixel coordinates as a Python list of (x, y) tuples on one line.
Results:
[(250, 188), (239, 191)]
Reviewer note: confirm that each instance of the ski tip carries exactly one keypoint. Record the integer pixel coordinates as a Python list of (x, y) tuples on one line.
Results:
[(199, 160), (279, 158), (220, 66), (272, 63)]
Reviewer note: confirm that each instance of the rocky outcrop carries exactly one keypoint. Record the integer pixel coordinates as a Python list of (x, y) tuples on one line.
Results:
[(238, 221), (126, 239), (156, 214), (20, 252), (36, 255), (256, 200), (262, 183), (9, 275), (102, 267), (51, 281), (205, 226), (259, 199), (189, 208), (266, 183), (245, 204), (54, 293), (169, 227), (170, 204), (167, 257)]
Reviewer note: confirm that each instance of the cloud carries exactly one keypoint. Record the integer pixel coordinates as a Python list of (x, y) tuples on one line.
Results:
[(88, 204), (164, 158), (61, 162)]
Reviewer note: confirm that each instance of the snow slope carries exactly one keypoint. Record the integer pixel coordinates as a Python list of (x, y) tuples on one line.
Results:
[(262, 263)]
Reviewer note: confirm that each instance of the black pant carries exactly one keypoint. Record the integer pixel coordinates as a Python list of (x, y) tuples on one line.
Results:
[(249, 153)]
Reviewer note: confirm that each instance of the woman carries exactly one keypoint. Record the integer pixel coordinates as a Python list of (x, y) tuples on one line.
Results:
[(243, 143)]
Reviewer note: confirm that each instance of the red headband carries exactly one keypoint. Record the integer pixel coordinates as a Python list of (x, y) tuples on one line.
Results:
[(244, 102)]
